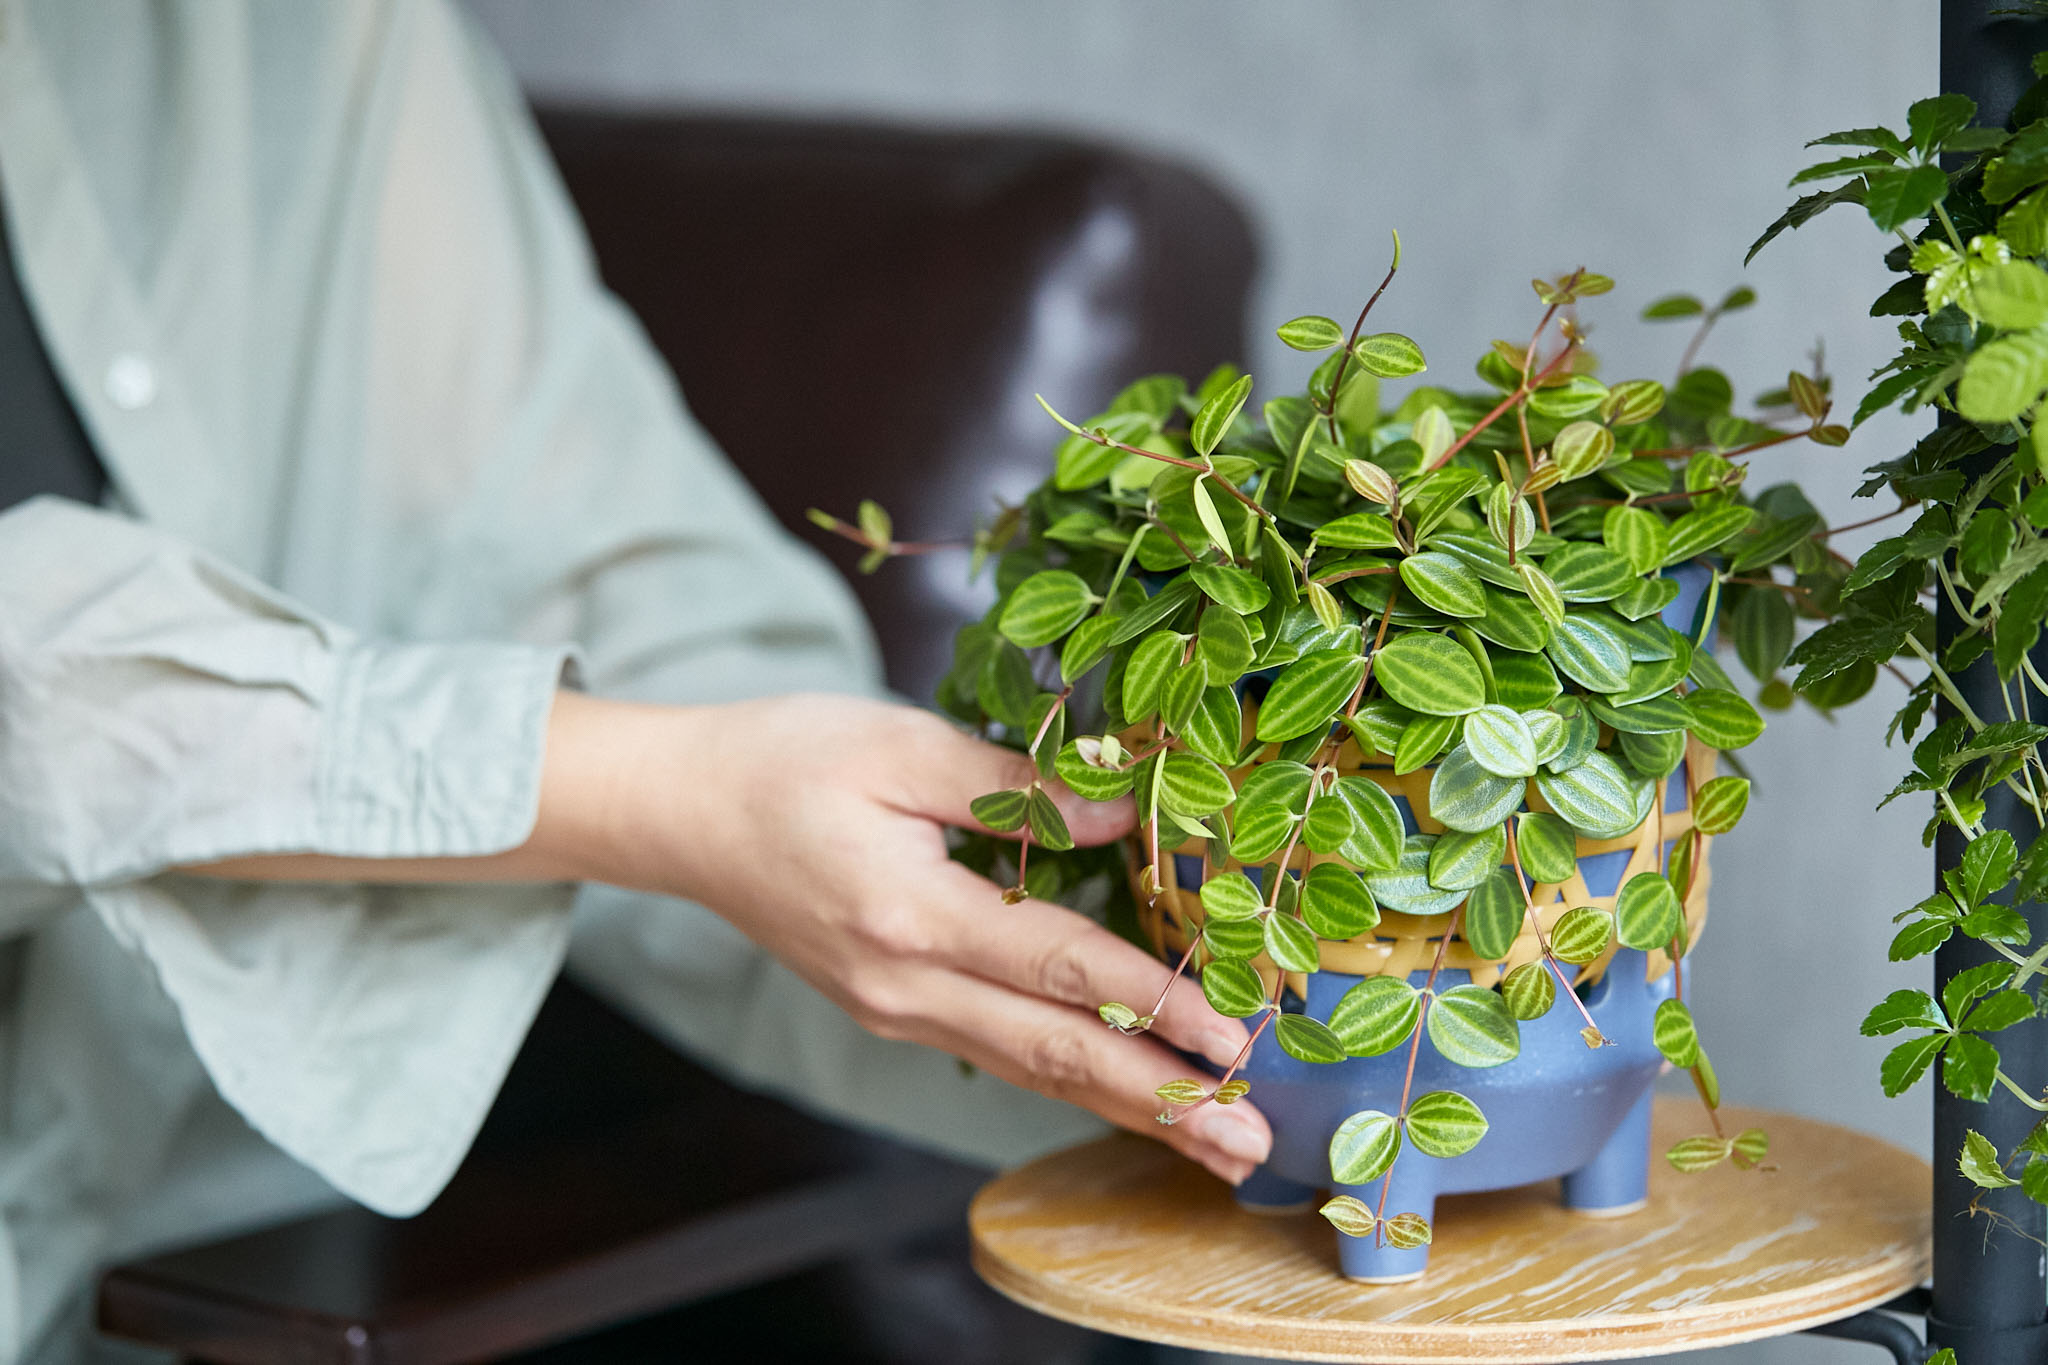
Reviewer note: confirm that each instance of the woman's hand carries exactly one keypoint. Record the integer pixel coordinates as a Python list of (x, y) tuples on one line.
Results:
[(815, 824)]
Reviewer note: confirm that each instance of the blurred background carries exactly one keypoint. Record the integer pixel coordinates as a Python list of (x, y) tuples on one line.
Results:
[(1649, 141)]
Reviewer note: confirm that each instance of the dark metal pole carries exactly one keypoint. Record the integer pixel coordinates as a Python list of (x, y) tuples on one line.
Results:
[(1990, 1297)]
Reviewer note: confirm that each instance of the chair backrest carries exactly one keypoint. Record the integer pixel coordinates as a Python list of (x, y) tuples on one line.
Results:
[(866, 311)]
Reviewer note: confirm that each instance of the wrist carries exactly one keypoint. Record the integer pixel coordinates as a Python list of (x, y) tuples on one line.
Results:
[(610, 793)]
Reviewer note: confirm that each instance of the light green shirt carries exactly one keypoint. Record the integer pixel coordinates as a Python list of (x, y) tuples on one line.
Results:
[(387, 459)]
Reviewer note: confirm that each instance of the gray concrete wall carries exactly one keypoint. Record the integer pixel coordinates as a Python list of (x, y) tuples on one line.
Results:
[(1648, 139)]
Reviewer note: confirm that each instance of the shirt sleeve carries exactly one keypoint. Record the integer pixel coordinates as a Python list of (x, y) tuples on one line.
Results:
[(642, 544), (158, 708)]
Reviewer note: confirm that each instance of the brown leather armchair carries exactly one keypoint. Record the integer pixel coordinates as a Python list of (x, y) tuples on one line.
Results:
[(853, 311)]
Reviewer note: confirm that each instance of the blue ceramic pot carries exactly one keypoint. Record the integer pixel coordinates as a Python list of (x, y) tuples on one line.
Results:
[(1558, 1109)]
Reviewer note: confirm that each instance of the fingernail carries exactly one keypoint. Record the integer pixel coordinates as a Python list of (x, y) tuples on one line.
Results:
[(1239, 1136)]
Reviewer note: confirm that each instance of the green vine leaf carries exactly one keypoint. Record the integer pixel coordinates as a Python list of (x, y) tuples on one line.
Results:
[(1444, 1123)]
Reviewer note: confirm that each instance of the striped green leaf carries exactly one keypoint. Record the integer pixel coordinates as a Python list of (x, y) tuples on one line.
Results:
[(1309, 692), (1653, 677), (1444, 1123), (1548, 847), (1086, 780), (1648, 597), (1673, 1031), (1240, 590), (1695, 533), (1581, 734), (1763, 628), (1230, 895), (1194, 786), (1376, 829), (1307, 1040), (1464, 796), (1044, 607), (1541, 591), (1155, 611), (1721, 719), (1637, 535), (1494, 913), (1443, 582), (1652, 716), (1596, 798), (1311, 333), (1376, 1016), (1182, 692), (1291, 944), (1428, 673), (1581, 934), (1591, 654), (1580, 448), (1471, 1027), (1571, 397), (1003, 810), (1513, 622), (1407, 1231), (1232, 988), (1349, 1215), (1363, 1147), (1546, 731), (1086, 647), (1335, 902), (1720, 804), (1048, 826), (1652, 755), (1259, 832), (1646, 913), (1588, 573), (1359, 531), (1422, 740), (1529, 990), (1209, 517), (1462, 861), (1500, 742), (1695, 1154), (1524, 681), (1389, 355), (1224, 642), (1240, 938), (1213, 421), (1405, 887), (1216, 729), (1328, 827)]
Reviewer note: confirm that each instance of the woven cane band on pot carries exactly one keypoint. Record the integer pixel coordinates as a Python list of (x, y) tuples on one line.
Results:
[(1402, 943)]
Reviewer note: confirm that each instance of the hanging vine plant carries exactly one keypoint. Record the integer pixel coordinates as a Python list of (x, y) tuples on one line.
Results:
[(1973, 296), (1220, 610)]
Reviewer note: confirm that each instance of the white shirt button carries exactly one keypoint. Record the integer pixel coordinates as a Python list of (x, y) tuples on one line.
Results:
[(131, 382)]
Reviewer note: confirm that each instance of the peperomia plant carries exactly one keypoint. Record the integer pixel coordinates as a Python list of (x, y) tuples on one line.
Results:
[(1971, 244), (1207, 602)]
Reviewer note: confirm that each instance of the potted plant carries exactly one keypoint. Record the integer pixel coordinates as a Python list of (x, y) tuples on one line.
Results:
[(1420, 713), (1973, 302)]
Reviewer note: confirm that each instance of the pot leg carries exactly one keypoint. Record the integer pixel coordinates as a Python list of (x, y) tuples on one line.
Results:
[(1617, 1179), (1264, 1192), (1371, 1260)]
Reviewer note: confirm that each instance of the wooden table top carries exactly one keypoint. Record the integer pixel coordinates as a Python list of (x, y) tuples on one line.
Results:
[(1125, 1236)]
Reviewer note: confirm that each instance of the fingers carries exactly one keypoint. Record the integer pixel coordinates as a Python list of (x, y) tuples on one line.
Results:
[(1069, 1055), (1044, 950), (942, 771)]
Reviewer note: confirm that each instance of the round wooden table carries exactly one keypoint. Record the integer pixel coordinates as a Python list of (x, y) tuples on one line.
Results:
[(1126, 1236)]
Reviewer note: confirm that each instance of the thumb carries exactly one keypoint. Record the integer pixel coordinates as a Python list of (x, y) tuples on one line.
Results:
[(945, 770)]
